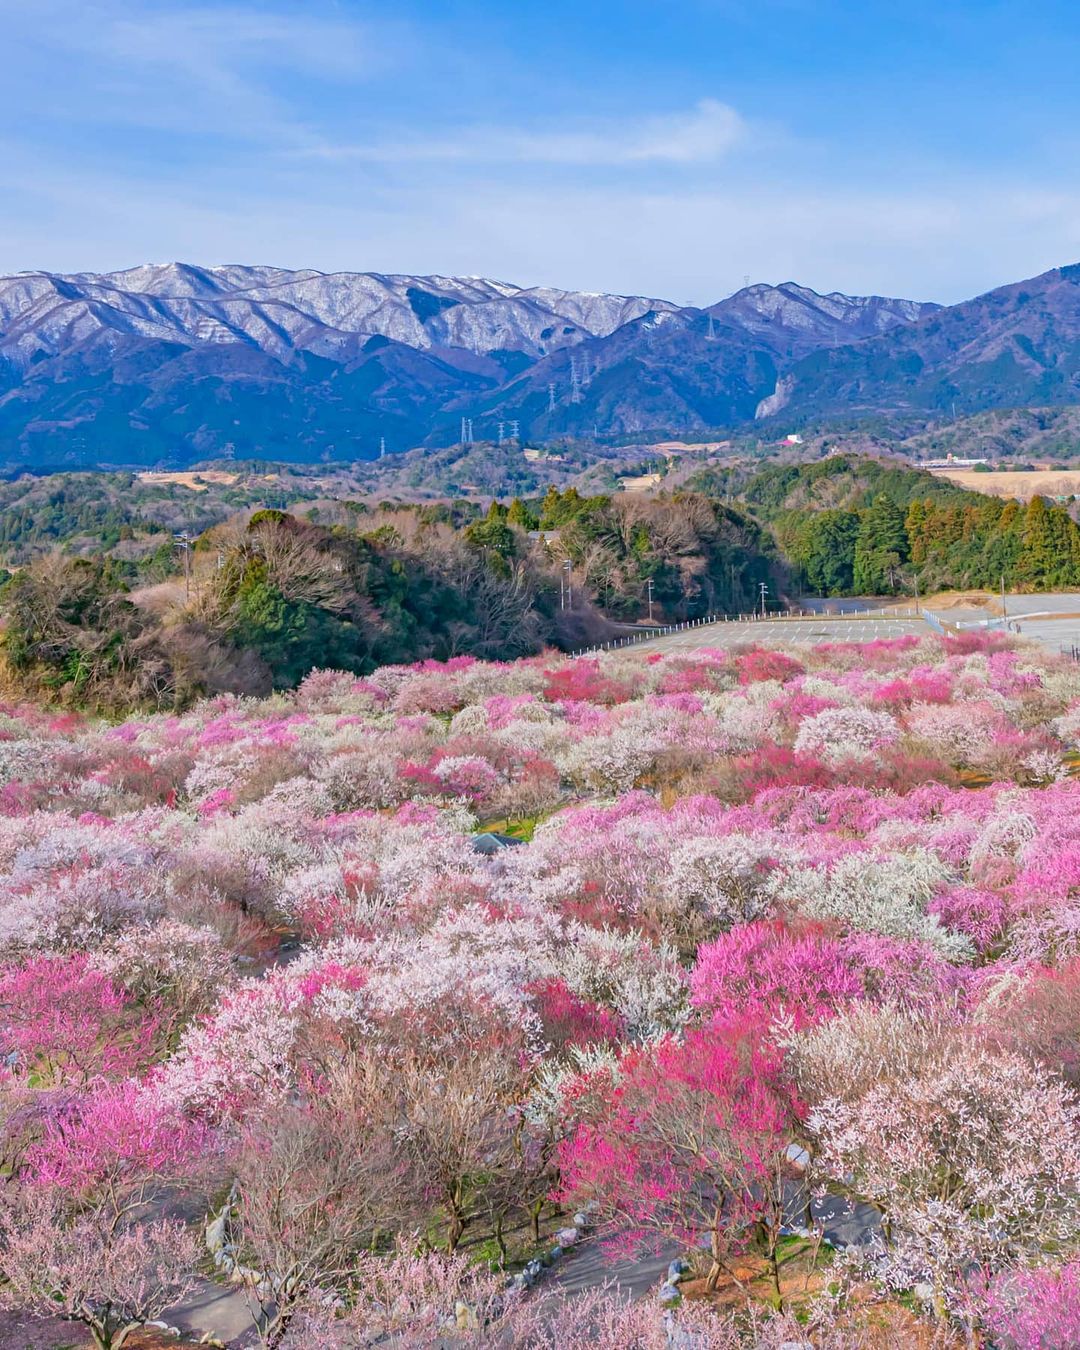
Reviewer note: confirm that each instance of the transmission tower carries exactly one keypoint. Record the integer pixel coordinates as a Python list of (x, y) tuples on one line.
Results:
[(575, 382), (502, 427), (382, 447), (551, 396), (710, 336), (515, 431)]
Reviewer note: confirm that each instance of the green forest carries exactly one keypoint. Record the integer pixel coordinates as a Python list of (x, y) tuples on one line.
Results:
[(847, 526)]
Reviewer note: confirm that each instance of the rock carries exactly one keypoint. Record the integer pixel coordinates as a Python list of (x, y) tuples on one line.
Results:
[(670, 1297), (532, 1272), (923, 1292), (566, 1237), (677, 1269), (582, 1221), (465, 1318), (552, 1256)]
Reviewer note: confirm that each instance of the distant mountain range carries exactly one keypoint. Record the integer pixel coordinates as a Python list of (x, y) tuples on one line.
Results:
[(178, 363)]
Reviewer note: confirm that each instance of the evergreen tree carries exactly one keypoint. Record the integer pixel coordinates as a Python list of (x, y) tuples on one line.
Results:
[(520, 515), (880, 548)]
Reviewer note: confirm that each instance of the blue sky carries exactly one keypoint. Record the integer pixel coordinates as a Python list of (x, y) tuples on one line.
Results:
[(667, 147)]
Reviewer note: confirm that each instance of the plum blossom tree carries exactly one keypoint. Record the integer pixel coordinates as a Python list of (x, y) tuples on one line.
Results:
[(690, 1143), (314, 1186), (58, 1262), (973, 1156), (1033, 1309)]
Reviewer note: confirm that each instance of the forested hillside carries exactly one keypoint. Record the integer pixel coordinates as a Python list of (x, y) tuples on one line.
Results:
[(266, 597), (863, 527)]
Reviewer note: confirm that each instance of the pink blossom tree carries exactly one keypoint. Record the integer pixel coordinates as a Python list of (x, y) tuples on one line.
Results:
[(1033, 1309), (690, 1143)]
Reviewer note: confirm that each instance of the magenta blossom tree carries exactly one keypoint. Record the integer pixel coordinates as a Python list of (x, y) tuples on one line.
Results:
[(690, 1144)]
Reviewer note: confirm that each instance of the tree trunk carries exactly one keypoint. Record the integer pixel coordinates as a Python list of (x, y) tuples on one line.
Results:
[(455, 1229), (497, 1232)]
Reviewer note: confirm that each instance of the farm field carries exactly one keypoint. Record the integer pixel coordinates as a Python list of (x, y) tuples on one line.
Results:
[(1022, 486), (767, 942)]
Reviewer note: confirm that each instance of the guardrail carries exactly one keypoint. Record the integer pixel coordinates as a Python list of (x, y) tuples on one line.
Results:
[(801, 615)]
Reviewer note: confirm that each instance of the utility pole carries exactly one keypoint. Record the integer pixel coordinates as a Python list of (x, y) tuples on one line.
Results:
[(764, 591), (915, 577), (184, 540), (568, 568), (649, 585), (1004, 611)]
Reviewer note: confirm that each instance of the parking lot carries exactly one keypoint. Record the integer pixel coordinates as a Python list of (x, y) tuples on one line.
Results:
[(782, 633), (1052, 620)]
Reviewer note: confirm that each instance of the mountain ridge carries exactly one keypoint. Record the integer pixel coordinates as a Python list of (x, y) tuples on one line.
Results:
[(174, 362)]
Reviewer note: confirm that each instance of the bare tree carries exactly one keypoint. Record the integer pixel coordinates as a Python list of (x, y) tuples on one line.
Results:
[(315, 1186), (456, 1126)]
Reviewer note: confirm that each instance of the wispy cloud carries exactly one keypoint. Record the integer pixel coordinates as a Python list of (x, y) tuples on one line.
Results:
[(237, 71), (207, 43), (699, 135)]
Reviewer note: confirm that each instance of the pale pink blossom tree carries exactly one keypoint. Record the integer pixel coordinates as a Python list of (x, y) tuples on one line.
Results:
[(56, 1262)]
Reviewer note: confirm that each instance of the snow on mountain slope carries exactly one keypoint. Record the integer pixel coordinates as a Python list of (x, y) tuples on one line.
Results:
[(281, 311)]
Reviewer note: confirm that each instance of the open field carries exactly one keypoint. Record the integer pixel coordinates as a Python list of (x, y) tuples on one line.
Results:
[(1022, 486), (200, 480), (1052, 620)]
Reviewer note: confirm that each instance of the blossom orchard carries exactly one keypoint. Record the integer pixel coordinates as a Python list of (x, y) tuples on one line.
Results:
[(821, 903)]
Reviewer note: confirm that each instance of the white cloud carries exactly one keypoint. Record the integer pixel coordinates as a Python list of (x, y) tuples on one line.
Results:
[(701, 135), (691, 246)]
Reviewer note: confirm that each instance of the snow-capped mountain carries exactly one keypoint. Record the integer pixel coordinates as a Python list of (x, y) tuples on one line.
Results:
[(281, 312), (176, 362)]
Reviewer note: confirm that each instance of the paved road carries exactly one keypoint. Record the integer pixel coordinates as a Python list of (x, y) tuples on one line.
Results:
[(782, 633), (1054, 634)]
